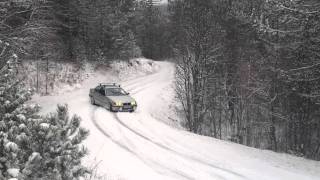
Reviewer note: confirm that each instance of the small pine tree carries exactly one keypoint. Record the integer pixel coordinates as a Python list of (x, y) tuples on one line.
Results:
[(32, 146)]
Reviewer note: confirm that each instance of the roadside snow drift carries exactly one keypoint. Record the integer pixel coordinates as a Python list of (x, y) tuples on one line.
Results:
[(142, 145)]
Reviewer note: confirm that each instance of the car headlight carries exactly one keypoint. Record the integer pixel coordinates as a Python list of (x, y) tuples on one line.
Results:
[(117, 103), (133, 103)]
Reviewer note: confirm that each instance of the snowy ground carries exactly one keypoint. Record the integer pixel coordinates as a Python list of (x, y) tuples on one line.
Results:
[(142, 145)]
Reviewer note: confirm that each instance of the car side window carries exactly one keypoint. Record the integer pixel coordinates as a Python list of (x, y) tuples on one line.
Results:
[(97, 89), (102, 91), (108, 92)]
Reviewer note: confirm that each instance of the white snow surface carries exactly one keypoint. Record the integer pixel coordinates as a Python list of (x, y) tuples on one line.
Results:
[(34, 156), (13, 172), (148, 145), (11, 146), (44, 125)]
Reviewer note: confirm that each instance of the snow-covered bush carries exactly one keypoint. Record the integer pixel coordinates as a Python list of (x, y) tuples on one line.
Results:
[(33, 147), (58, 75), (36, 147)]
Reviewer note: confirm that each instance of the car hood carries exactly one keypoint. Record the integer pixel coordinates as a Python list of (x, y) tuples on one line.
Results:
[(122, 99)]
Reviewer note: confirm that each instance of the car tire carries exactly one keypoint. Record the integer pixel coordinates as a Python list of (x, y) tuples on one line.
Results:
[(110, 108), (92, 101)]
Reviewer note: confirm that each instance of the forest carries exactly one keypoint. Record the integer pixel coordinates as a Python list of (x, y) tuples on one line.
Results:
[(247, 71)]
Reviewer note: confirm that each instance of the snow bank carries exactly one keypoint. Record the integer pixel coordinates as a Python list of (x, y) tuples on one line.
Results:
[(68, 77), (133, 68), (59, 78)]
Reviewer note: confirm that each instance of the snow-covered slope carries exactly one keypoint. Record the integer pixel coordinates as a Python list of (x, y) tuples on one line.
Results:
[(142, 145)]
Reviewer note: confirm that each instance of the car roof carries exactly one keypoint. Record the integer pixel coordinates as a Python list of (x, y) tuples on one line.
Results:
[(109, 85), (112, 87)]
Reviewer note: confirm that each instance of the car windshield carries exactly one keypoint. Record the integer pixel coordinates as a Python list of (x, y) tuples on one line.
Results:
[(115, 92)]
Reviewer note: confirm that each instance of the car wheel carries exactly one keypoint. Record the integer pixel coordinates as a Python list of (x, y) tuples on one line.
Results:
[(92, 101), (110, 108)]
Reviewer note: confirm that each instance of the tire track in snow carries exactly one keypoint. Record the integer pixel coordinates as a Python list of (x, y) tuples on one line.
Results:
[(127, 149), (134, 83), (134, 88), (94, 121), (185, 156)]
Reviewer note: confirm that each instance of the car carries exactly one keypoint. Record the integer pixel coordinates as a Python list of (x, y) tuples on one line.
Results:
[(112, 97)]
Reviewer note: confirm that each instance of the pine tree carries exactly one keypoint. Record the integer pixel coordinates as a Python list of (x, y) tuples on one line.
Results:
[(33, 147)]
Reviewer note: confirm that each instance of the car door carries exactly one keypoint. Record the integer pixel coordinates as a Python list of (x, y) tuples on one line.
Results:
[(100, 96), (97, 95), (104, 100)]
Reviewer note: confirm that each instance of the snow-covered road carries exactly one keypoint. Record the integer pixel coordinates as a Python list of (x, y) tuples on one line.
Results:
[(141, 146)]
